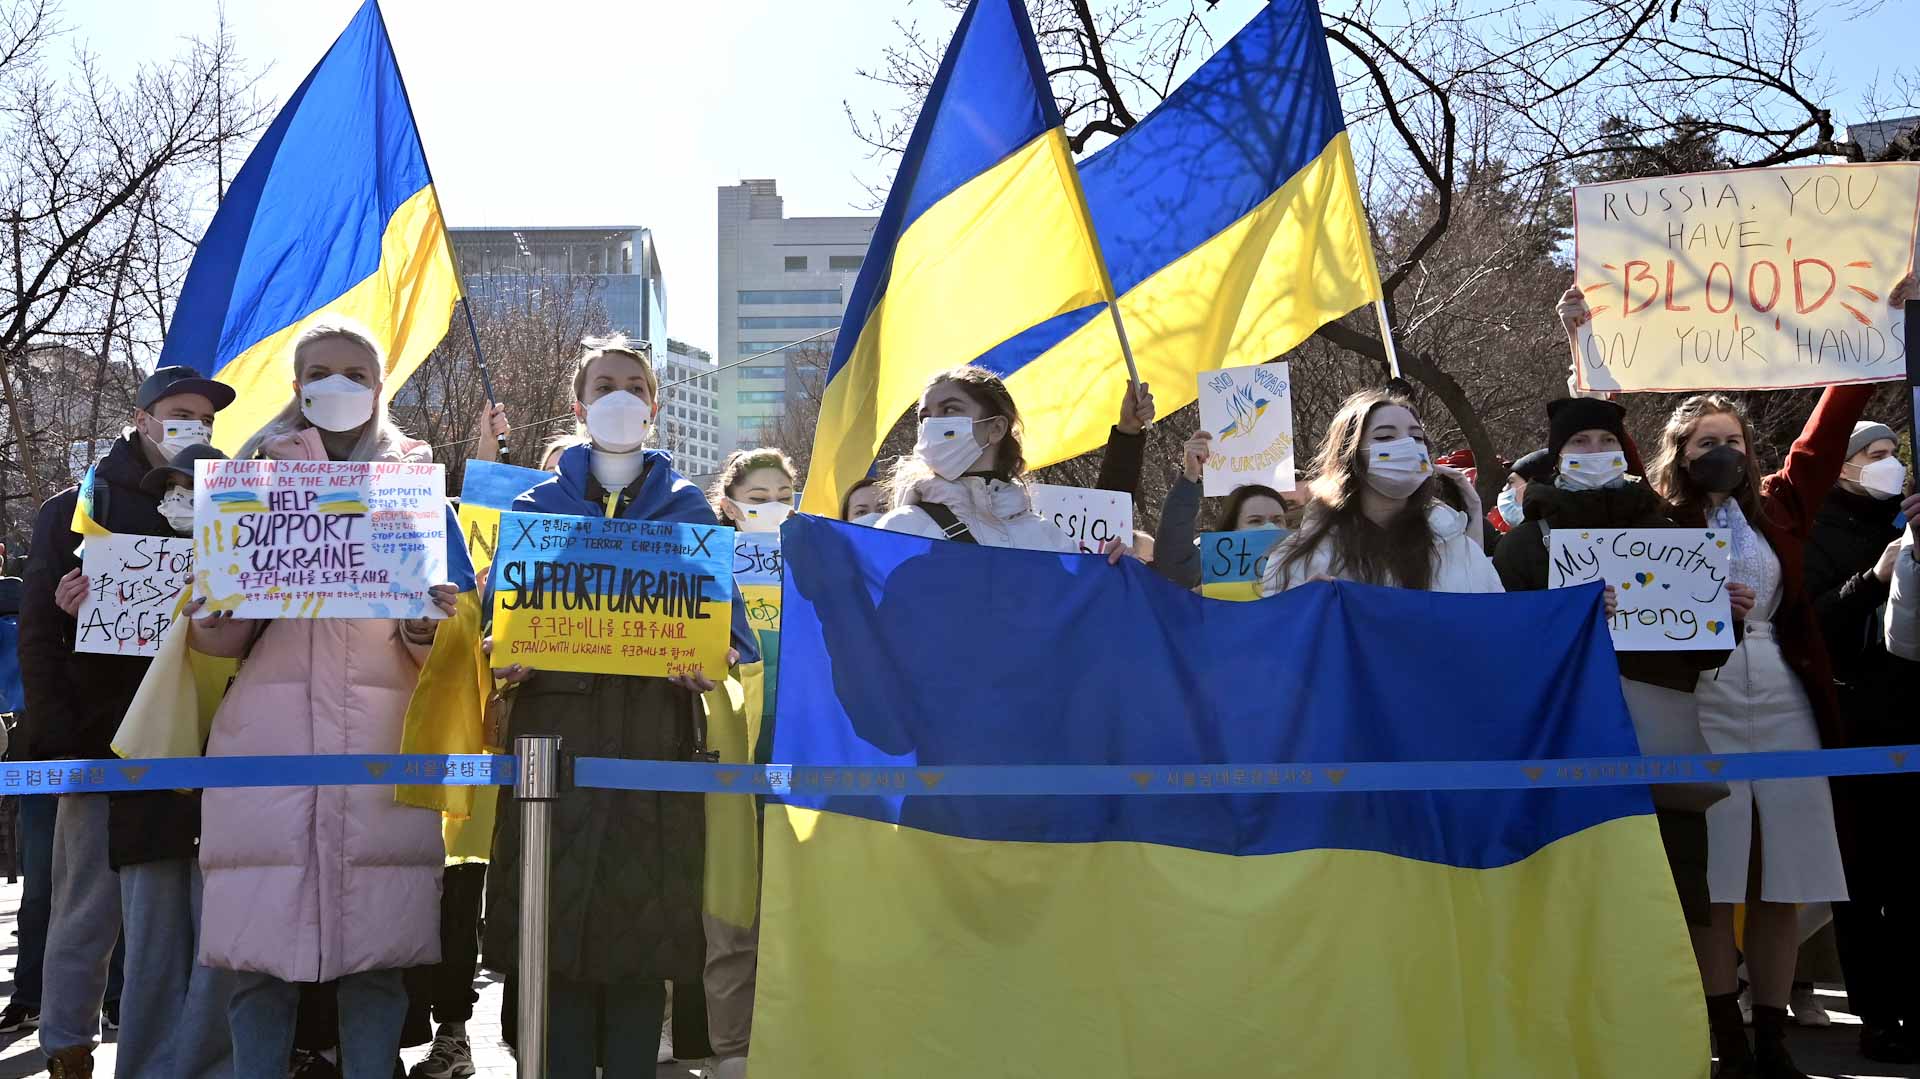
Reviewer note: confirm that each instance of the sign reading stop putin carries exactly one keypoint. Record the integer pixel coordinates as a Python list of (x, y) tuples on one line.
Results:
[(1745, 279)]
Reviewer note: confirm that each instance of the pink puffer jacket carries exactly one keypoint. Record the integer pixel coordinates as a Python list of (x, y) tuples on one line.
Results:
[(308, 884)]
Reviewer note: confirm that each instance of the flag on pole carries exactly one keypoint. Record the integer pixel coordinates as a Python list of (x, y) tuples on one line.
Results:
[(334, 213), (1231, 221), (984, 234)]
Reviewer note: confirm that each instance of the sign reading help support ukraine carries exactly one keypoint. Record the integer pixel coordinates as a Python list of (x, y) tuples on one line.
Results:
[(136, 586), (1232, 563), (1670, 584), (612, 596), (319, 539)]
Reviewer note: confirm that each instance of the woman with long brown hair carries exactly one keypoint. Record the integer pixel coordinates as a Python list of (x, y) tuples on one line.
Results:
[(1376, 516), (1771, 844)]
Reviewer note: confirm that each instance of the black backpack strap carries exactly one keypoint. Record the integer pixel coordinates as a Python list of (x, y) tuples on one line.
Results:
[(950, 525)]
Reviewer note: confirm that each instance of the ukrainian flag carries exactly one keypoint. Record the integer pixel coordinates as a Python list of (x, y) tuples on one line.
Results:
[(1321, 933), (334, 213), (984, 234), (1232, 224)]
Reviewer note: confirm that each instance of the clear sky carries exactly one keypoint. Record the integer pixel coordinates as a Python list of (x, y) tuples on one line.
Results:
[(632, 112)]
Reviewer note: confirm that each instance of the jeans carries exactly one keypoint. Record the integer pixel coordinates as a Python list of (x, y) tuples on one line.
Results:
[(627, 1017), (173, 1016), (85, 927), (373, 1004), (36, 896)]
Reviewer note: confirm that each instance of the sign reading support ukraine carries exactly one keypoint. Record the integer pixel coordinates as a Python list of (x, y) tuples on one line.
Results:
[(612, 596)]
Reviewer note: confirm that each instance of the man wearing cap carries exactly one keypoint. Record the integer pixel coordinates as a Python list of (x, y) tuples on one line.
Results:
[(1850, 562), (75, 701)]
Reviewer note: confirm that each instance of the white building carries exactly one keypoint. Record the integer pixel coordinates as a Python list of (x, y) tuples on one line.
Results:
[(690, 410), (1875, 136), (782, 279)]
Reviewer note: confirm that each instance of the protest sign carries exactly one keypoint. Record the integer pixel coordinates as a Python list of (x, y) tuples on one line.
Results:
[(319, 539), (136, 586), (759, 570), (1249, 411), (487, 488), (612, 595), (1745, 279), (1670, 584), (1233, 563), (1089, 517)]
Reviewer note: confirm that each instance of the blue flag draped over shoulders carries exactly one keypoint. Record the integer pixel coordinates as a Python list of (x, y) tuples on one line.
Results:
[(905, 652)]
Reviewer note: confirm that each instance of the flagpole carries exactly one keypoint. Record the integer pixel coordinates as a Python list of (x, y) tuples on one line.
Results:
[(1126, 347), (453, 255), (1386, 337)]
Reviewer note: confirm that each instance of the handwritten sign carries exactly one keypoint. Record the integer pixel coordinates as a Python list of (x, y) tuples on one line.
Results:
[(1670, 584), (319, 539), (486, 489), (1746, 279), (1089, 517), (1233, 563), (758, 573), (612, 596), (1249, 410), (136, 587)]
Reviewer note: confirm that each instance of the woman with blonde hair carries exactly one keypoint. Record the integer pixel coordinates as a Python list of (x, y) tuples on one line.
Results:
[(1770, 844), (352, 876), (1376, 516)]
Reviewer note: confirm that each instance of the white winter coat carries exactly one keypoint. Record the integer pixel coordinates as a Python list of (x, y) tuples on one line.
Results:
[(998, 514), (1903, 604), (1459, 565)]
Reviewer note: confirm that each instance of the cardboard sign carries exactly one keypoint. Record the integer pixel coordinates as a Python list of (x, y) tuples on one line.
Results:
[(1249, 410), (1232, 564), (487, 489), (136, 587), (1746, 279), (1670, 584), (319, 539), (1089, 517), (612, 596), (758, 572)]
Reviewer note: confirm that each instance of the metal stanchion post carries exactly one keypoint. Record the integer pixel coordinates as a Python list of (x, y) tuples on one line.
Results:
[(538, 758)]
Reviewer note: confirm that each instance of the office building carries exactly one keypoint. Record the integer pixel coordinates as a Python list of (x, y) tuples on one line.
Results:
[(781, 280), (1875, 136), (617, 268)]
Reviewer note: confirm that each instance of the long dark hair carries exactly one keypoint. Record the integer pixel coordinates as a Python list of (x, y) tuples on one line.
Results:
[(859, 485), (985, 389), (1669, 475), (1401, 553), (1227, 520)]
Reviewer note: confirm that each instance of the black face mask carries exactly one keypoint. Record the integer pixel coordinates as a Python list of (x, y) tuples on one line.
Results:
[(1718, 470)]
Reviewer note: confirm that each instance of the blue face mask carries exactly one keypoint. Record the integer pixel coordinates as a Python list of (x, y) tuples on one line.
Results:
[(1509, 506)]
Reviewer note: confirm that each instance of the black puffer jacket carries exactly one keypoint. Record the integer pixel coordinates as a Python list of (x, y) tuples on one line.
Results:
[(1848, 537), (625, 897), (1521, 560), (76, 700)]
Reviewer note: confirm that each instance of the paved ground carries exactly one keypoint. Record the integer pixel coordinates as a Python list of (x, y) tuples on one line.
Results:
[(1826, 1054)]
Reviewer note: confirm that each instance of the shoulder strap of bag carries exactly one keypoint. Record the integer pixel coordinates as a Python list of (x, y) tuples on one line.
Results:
[(950, 525)]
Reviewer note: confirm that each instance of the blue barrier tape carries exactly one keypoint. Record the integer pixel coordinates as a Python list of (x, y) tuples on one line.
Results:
[(188, 773), (1121, 779)]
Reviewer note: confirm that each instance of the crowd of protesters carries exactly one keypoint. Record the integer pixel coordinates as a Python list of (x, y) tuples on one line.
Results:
[(315, 931)]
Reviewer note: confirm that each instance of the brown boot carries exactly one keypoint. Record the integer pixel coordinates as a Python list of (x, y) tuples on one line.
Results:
[(72, 1063)]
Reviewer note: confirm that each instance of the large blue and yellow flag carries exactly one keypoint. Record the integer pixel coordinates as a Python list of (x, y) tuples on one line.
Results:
[(984, 234), (1439, 934), (334, 213), (1231, 221)]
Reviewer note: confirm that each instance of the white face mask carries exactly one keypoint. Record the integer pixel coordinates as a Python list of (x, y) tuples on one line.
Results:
[(619, 421), (1885, 478), (177, 435), (1511, 510), (1398, 468), (177, 507), (946, 444), (763, 517), (1589, 471), (336, 403), (868, 519)]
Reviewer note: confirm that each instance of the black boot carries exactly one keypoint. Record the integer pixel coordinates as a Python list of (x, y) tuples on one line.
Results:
[(1885, 1044), (1729, 1036), (1770, 1057)]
